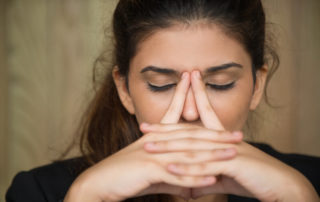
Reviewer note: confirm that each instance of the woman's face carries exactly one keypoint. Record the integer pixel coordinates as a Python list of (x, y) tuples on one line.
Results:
[(224, 64)]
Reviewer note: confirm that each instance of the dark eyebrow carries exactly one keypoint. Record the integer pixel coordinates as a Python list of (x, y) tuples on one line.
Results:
[(159, 70), (207, 71), (222, 67)]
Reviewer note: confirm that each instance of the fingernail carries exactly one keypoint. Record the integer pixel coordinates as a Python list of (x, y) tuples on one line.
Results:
[(229, 151), (184, 75), (237, 133), (197, 74), (149, 145), (173, 168), (144, 125), (209, 179)]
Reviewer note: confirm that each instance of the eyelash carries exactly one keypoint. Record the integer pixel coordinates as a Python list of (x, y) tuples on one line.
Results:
[(221, 87), (160, 88), (212, 86)]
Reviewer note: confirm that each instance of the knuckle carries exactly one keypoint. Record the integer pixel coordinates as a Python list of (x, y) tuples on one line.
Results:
[(213, 154), (201, 167), (163, 145), (190, 141), (184, 168), (190, 155)]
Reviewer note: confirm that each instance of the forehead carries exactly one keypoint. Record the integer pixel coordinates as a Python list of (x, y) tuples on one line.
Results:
[(188, 48)]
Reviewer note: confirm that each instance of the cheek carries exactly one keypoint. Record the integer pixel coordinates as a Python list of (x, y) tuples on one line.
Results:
[(149, 106), (231, 107)]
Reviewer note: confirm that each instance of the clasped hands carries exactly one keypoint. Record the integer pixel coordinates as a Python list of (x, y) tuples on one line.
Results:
[(190, 161)]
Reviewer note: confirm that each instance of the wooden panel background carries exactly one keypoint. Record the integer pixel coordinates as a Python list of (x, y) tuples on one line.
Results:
[(46, 53)]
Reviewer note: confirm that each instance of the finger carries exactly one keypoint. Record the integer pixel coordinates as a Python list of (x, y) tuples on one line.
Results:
[(203, 191), (188, 181), (161, 174), (145, 127), (224, 185), (192, 157), (187, 144), (195, 133), (175, 109), (163, 188), (213, 168), (207, 114)]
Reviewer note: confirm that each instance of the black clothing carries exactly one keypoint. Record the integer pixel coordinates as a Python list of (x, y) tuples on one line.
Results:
[(51, 182)]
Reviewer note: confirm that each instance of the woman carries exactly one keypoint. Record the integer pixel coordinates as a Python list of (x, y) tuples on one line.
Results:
[(165, 124)]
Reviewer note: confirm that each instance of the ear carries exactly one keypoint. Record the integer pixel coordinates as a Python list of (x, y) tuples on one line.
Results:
[(261, 77), (123, 92)]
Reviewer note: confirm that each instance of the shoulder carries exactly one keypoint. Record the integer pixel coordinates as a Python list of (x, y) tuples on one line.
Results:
[(45, 183), (305, 164), (308, 165)]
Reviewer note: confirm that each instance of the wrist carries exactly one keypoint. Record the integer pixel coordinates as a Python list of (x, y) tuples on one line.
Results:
[(86, 188), (80, 192), (299, 189)]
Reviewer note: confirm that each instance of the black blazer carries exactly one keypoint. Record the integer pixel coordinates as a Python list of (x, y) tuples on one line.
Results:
[(51, 182)]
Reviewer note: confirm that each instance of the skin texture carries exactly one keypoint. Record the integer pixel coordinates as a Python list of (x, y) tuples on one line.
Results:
[(184, 50), (186, 149)]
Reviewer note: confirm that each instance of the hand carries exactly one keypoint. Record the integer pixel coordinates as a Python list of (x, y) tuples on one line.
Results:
[(250, 173), (133, 172), (192, 142)]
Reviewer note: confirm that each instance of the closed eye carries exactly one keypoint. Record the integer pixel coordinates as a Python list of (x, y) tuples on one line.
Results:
[(221, 87), (155, 88)]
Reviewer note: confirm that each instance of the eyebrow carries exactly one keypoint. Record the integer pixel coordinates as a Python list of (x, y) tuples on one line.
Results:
[(158, 70), (163, 70), (223, 67)]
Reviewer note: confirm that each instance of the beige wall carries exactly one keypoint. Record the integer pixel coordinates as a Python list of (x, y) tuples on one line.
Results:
[(46, 54), (3, 101), (50, 47), (294, 126)]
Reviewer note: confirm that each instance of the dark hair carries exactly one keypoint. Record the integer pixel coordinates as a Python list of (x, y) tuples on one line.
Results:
[(106, 126)]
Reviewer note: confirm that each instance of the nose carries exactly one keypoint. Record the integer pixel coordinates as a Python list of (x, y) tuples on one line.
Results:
[(190, 111)]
